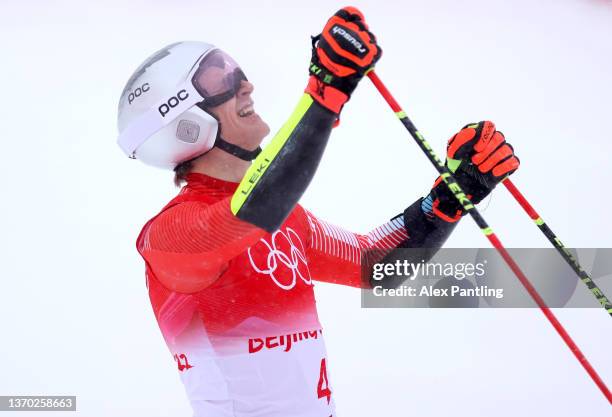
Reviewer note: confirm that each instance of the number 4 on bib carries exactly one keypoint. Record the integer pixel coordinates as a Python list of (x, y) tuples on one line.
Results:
[(323, 385)]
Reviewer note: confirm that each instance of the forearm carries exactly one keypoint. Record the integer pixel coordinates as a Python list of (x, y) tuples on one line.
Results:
[(281, 173), (426, 235), (479, 157), (425, 231)]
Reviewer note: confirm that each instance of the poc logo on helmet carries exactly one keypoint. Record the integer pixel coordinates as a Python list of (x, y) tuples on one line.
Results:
[(138, 92), (172, 102)]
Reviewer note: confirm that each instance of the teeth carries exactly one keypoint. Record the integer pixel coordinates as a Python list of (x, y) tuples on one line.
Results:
[(247, 111)]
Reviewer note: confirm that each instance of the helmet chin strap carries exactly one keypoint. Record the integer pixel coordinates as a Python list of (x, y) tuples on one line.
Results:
[(237, 151), (230, 148)]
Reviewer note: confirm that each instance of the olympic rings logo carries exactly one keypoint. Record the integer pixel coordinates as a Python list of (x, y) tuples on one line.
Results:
[(277, 258)]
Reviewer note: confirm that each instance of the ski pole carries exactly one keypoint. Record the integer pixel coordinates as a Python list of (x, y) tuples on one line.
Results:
[(567, 256), (488, 232)]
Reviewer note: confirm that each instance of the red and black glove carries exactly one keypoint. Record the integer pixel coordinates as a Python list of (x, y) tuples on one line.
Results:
[(341, 55), (479, 158)]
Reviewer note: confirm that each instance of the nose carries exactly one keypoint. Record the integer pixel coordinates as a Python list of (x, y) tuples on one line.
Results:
[(245, 89)]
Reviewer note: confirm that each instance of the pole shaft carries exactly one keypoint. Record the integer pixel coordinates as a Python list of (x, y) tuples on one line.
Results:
[(556, 242), (488, 232)]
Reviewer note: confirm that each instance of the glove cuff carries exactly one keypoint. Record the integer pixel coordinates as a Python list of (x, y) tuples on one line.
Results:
[(443, 206), (326, 95), (441, 212)]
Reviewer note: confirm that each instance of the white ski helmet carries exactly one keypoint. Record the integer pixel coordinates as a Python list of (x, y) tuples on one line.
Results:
[(162, 119)]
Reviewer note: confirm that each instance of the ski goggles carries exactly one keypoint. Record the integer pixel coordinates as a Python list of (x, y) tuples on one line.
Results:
[(218, 78), (213, 80)]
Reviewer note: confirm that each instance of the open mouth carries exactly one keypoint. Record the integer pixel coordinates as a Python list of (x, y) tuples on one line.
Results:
[(247, 110)]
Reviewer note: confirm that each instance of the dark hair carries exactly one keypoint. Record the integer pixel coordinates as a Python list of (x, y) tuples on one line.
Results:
[(181, 171)]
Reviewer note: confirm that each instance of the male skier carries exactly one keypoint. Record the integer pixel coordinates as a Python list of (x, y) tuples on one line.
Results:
[(230, 261)]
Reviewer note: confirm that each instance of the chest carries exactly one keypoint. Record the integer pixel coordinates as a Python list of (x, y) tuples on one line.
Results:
[(277, 263)]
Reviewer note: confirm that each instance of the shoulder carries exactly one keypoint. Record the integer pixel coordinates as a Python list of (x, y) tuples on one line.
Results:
[(174, 226), (304, 218), (306, 215)]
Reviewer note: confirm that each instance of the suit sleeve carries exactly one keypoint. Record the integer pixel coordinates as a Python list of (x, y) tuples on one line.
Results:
[(189, 245), (335, 254), (281, 173), (338, 256)]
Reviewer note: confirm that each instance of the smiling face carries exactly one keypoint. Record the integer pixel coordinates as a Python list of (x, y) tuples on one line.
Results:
[(239, 122)]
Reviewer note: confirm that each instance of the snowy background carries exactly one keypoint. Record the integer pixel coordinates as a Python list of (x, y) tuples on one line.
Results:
[(74, 313)]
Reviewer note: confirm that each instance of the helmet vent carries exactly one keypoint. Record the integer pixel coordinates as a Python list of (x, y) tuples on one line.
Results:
[(187, 131)]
